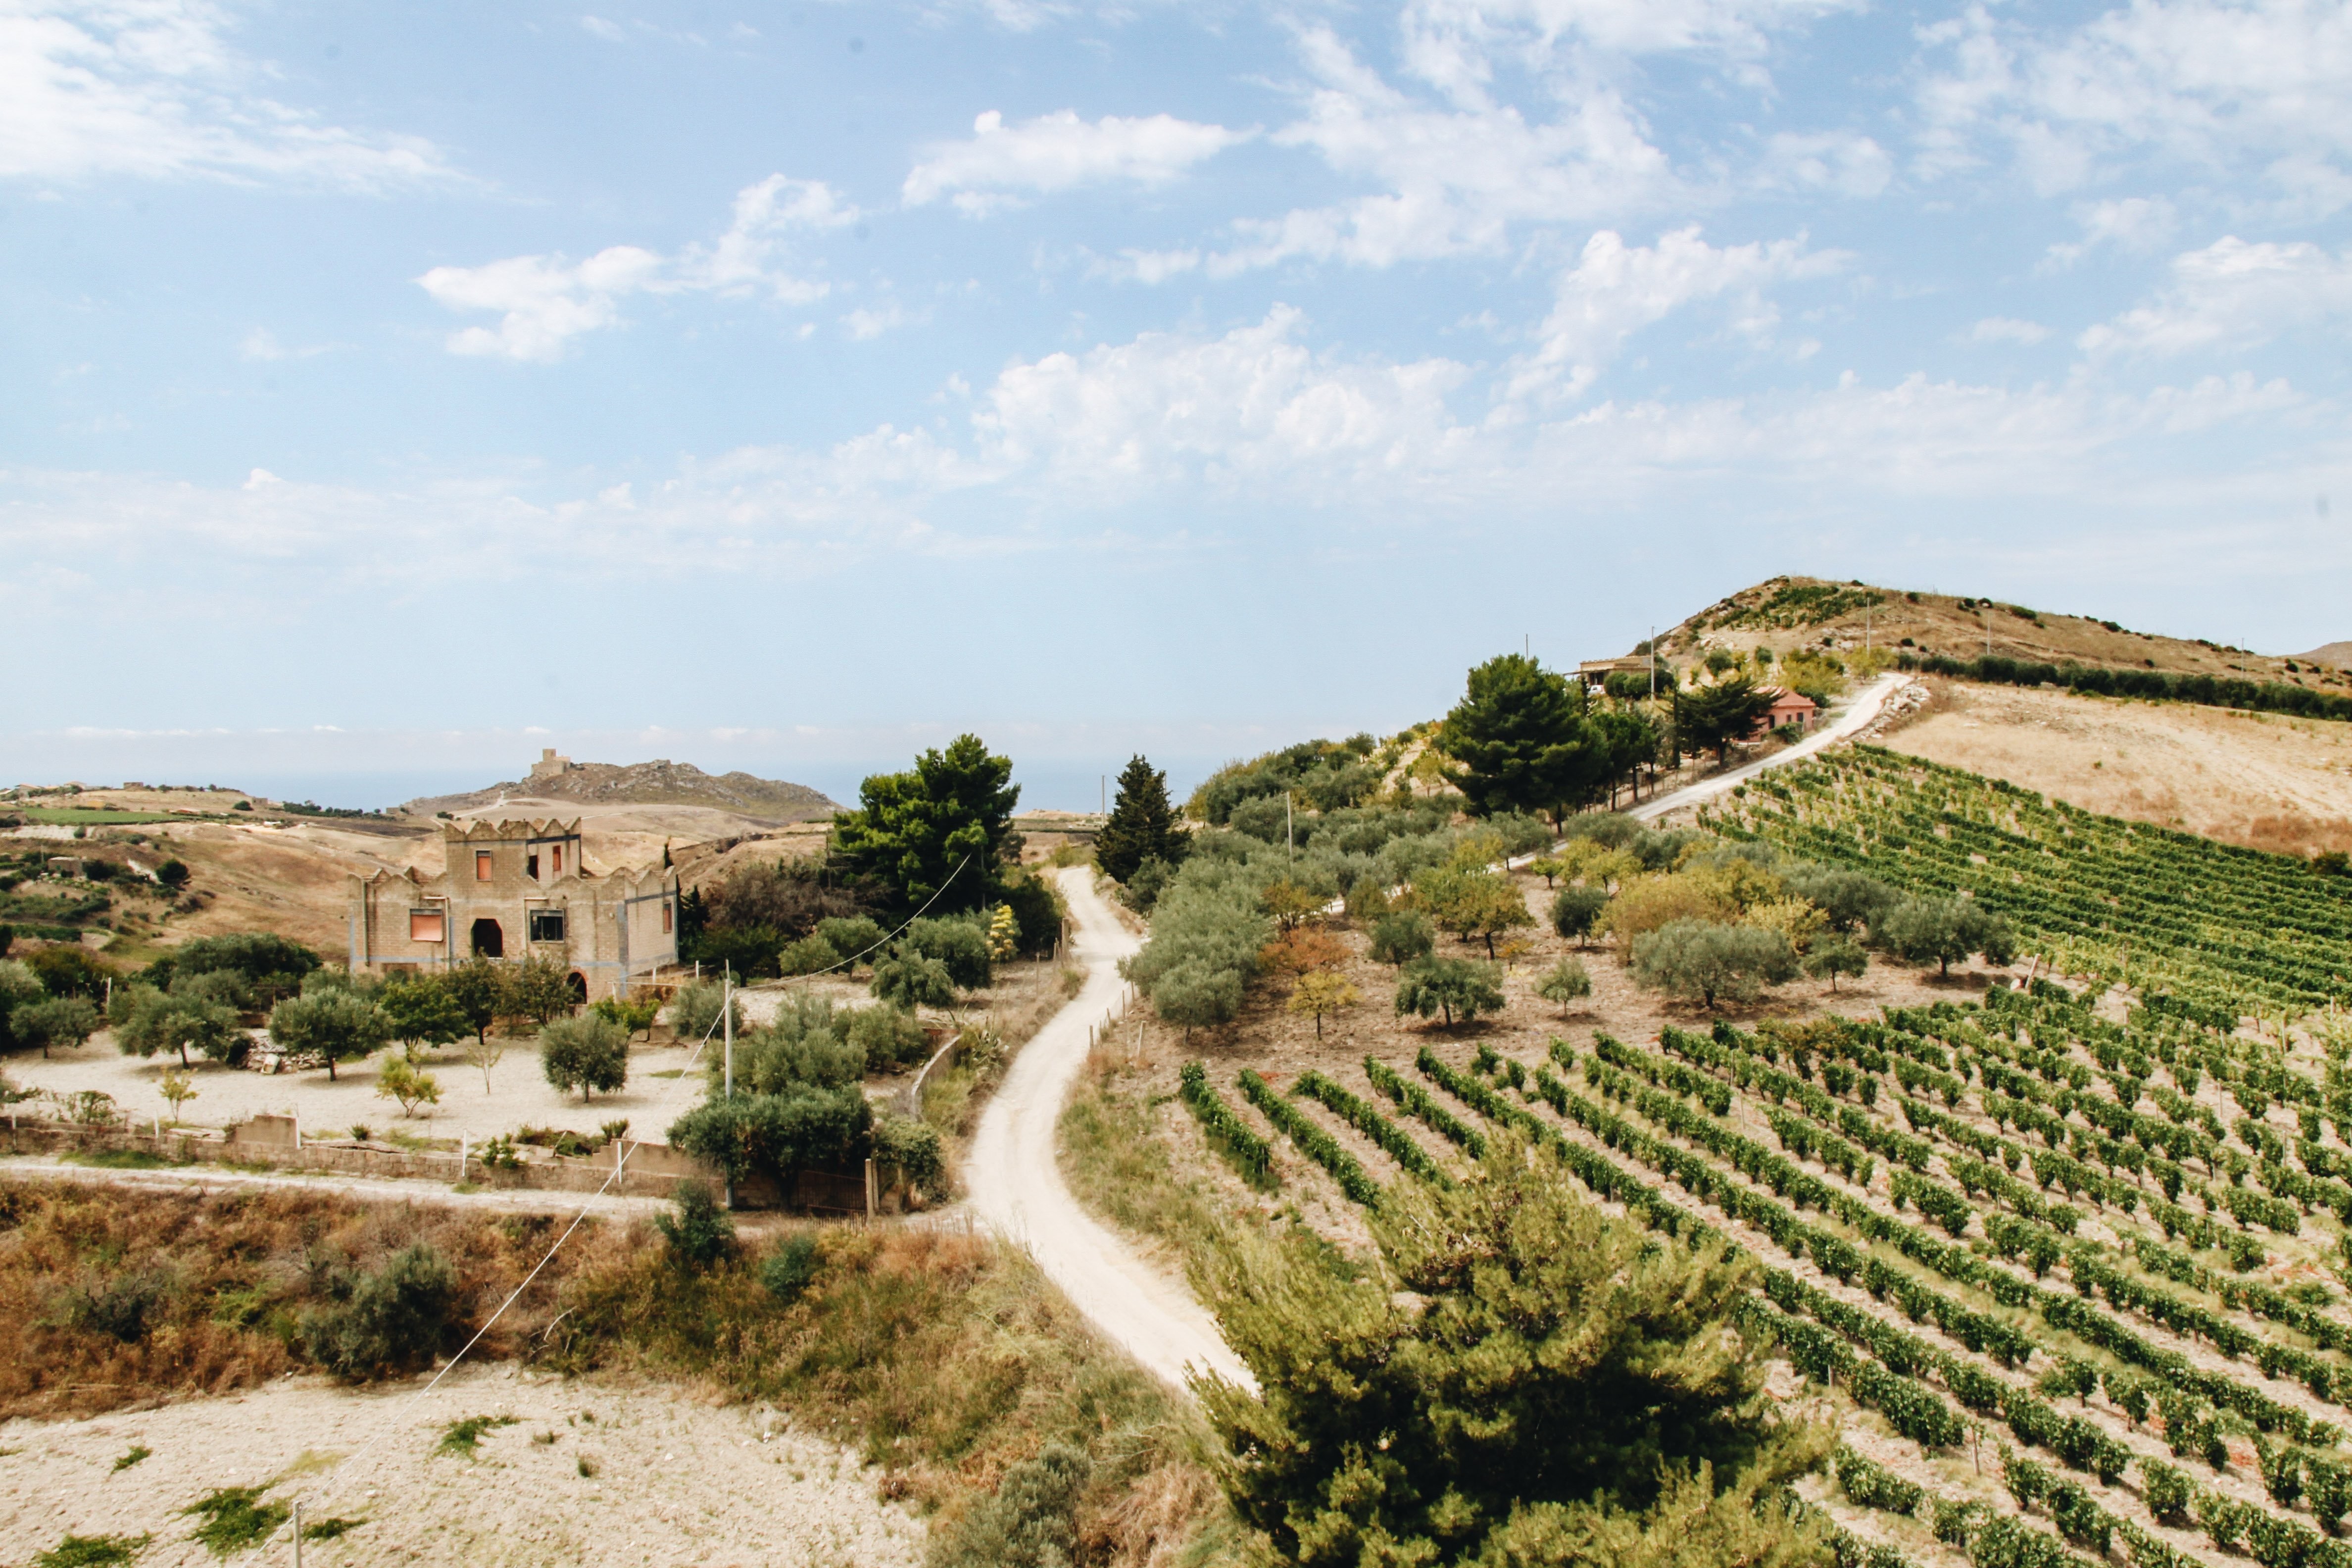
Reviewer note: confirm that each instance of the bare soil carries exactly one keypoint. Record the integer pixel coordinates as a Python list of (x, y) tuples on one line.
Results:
[(677, 1480), (2264, 780)]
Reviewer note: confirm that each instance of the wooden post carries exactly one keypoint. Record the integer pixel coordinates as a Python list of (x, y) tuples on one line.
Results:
[(873, 1193)]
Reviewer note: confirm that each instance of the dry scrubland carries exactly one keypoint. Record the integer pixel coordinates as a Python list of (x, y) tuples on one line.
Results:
[(2262, 780), (918, 1373), (1137, 1156)]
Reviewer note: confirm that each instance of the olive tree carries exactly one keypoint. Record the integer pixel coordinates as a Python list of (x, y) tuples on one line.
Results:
[(1707, 961), (337, 1024), (1450, 987), (586, 1053)]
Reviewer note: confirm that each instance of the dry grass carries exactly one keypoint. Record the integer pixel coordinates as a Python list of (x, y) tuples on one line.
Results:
[(943, 1357), (224, 1278), (2266, 781)]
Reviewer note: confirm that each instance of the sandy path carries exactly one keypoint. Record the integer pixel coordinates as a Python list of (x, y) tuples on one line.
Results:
[(1857, 716), (1016, 1178), (676, 1481)]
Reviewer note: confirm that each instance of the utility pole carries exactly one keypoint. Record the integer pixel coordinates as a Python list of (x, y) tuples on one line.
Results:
[(1287, 840), (1653, 664), (726, 1022)]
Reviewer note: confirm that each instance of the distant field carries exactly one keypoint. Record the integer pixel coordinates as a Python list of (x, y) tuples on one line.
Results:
[(86, 817)]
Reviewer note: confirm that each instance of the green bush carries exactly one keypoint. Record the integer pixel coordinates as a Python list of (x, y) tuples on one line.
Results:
[(854, 939), (910, 1147), (1564, 982), (792, 1267), (810, 1042), (693, 1011), (887, 1037), (778, 1134), (235, 1518), (392, 1321), (1030, 1522), (809, 955), (959, 947), (911, 980), (61, 1022), (92, 1551), (700, 1233)]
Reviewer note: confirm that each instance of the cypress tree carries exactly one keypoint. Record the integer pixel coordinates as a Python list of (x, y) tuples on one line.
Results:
[(1142, 824)]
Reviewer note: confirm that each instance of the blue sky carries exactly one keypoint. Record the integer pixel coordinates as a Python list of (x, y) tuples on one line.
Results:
[(394, 390)]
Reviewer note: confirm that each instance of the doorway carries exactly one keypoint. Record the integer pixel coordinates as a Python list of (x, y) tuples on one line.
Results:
[(490, 941)]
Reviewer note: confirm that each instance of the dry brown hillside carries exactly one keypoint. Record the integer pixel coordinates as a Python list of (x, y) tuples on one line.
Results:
[(1783, 613), (2264, 780)]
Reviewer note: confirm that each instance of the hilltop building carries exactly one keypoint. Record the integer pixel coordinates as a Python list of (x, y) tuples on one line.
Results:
[(517, 890), (550, 766), (1788, 708)]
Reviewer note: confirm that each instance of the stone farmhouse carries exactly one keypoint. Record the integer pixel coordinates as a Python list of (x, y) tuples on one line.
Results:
[(518, 890)]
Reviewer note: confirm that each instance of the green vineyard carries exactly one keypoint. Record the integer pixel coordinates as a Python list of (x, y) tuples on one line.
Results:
[(2209, 925), (2021, 1232)]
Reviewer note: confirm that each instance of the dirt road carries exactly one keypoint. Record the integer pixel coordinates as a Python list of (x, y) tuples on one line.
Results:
[(1016, 1183), (1856, 718)]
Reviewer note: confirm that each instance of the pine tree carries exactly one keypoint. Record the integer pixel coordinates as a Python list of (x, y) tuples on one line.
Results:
[(1142, 824), (1526, 1379)]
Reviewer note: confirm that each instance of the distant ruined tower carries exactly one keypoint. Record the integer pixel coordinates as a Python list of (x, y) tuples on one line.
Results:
[(550, 766)]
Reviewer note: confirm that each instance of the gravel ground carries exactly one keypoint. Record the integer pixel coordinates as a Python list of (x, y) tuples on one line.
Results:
[(676, 1480)]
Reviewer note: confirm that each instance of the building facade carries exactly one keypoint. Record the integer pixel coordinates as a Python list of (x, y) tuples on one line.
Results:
[(517, 890)]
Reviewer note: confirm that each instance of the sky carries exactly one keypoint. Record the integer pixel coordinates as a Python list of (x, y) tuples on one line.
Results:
[(392, 391)]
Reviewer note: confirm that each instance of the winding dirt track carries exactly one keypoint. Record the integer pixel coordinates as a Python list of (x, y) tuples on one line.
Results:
[(1016, 1184), (1016, 1180)]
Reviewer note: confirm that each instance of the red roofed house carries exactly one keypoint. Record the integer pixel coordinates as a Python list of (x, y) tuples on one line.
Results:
[(1788, 708)]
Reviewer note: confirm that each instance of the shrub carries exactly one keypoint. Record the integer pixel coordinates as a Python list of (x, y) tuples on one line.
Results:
[(1575, 910), (392, 1321), (1703, 961), (911, 980), (271, 965), (635, 1015), (173, 874), (235, 1518), (396, 1080), (912, 1148), (421, 1011), (791, 1269), (1453, 987), (586, 1053), (959, 947), (887, 1037), (700, 1233), (809, 955), (854, 939), (1193, 996), (810, 1042), (1402, 937), (1031, 1521), (92, 1551), (778, 1134), (693, 1011)]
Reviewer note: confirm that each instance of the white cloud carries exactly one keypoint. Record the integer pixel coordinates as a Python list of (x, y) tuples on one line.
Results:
[(1059, 151), (2006, 329), (609, 31), (261, 343), (2132, 223), (1454, 180), (1616, 290), (1842, 162), (545, 301), (152, 89), (2232, 295), (2218, 82), (865, 324), (1452, 43)]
